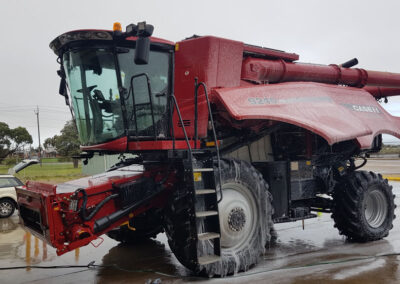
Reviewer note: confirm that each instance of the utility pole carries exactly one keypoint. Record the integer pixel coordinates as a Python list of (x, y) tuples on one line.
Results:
[(36, 111)]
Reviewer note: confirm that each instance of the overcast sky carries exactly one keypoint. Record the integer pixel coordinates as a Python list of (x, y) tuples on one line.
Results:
[(319, 31)]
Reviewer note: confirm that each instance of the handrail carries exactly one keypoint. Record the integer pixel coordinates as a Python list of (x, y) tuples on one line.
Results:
[(197, 86), (150, 99), (195, 111), (183, 126)]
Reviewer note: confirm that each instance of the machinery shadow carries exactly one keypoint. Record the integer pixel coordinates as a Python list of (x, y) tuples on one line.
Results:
[(137, 263)]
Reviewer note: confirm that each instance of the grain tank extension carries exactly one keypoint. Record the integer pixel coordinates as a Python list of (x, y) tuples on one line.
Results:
[(228, 139)]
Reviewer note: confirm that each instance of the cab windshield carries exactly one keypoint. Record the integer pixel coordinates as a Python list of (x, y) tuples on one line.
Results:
[(96, 96)]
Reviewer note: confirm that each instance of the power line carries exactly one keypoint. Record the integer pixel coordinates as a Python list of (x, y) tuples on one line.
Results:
[(26, 109)]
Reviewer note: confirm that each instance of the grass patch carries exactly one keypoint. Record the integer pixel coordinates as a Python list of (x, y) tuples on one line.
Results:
[(49, 172), (390, 149), (49, 160)]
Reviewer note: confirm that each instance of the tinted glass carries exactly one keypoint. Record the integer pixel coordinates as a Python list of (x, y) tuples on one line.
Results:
[(92, 82), (9, 182), (139, 104)]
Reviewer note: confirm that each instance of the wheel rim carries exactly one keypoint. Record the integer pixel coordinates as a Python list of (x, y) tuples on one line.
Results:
[(237, 216), (5, 208), (376, 208)]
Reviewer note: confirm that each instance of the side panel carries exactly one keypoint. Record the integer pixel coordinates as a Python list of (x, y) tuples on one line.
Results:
[(336, 113), (214, 61), (260, 150), (277, 175)]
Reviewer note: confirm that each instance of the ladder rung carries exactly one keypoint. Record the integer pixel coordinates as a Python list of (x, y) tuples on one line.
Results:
[(206, 259), (203, 170), (206, 213), (207, 236), (196, 152), (205, 191)]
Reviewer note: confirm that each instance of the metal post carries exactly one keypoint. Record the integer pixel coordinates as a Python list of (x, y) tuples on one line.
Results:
[(38, 127)]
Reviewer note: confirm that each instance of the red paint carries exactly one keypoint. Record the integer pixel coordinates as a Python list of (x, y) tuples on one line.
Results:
[(64, 226), (121, 145), (334, 112), (216, 62), (276, 71), (381, 92), (270, 53), (159, 145), (118, 145)]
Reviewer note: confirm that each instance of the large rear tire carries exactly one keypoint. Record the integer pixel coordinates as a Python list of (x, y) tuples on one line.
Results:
[(363, 207), (245, 214)]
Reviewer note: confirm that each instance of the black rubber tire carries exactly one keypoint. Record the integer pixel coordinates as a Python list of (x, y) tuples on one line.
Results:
[(179, 228), (349, 207), (147, 226), (8, 204)]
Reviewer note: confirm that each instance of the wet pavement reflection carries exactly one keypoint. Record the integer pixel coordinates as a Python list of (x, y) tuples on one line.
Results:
[(317, 254)]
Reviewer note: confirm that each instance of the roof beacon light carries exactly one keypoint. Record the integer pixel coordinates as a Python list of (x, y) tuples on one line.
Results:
[(117, 27)]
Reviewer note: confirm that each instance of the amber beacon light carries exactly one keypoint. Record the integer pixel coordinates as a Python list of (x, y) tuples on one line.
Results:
[(117, 27)]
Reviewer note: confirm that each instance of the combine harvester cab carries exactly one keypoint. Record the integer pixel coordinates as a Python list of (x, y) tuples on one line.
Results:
[(230, 138)]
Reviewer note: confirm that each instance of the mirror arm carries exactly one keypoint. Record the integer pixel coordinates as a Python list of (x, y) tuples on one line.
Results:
[(142, 31)]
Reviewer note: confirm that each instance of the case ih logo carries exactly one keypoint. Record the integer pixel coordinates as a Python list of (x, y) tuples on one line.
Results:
[(361, 108)]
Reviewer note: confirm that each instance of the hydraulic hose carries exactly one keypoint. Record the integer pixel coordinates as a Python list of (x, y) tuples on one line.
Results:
[(97, 208)]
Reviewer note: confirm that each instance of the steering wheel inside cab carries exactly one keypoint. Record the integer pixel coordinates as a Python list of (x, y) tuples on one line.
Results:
[(97, 98)]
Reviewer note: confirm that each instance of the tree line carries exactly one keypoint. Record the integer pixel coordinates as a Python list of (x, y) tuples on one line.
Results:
[(13, 139), (67, 144)]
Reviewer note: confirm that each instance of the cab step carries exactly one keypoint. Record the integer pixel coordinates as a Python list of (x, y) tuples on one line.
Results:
[(200, 170), (208, 236), (207, 259), (201, 214), (205, 191)]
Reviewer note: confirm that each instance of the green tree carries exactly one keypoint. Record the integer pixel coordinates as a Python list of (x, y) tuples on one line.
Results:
[(67, 144), (50, 142), (12, 139)]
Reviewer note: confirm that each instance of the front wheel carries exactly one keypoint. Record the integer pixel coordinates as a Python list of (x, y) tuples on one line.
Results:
[(363, 207), (7, 207)]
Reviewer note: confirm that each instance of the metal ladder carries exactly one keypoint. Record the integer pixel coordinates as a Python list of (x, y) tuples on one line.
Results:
[(202, 172), (200, 183)]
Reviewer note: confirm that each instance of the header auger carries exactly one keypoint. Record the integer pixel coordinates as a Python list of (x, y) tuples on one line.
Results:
[(229, 138)]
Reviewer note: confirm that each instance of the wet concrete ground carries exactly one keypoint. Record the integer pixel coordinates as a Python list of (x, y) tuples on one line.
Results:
[(317, 254)]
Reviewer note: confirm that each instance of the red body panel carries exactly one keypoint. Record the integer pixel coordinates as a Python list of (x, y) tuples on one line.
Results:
[(215, 61), (120, 145), (381, 92), (271, 53), (62, 226), (334, 112)]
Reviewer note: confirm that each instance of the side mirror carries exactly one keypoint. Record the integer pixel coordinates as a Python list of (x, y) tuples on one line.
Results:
[(142, 50), (63, 90)]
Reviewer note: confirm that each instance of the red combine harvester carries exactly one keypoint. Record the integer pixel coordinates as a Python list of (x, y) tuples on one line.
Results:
[(229, 138)]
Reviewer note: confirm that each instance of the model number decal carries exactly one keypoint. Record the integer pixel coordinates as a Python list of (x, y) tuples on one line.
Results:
[(262, 101), (363, 108), (273, 101)]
